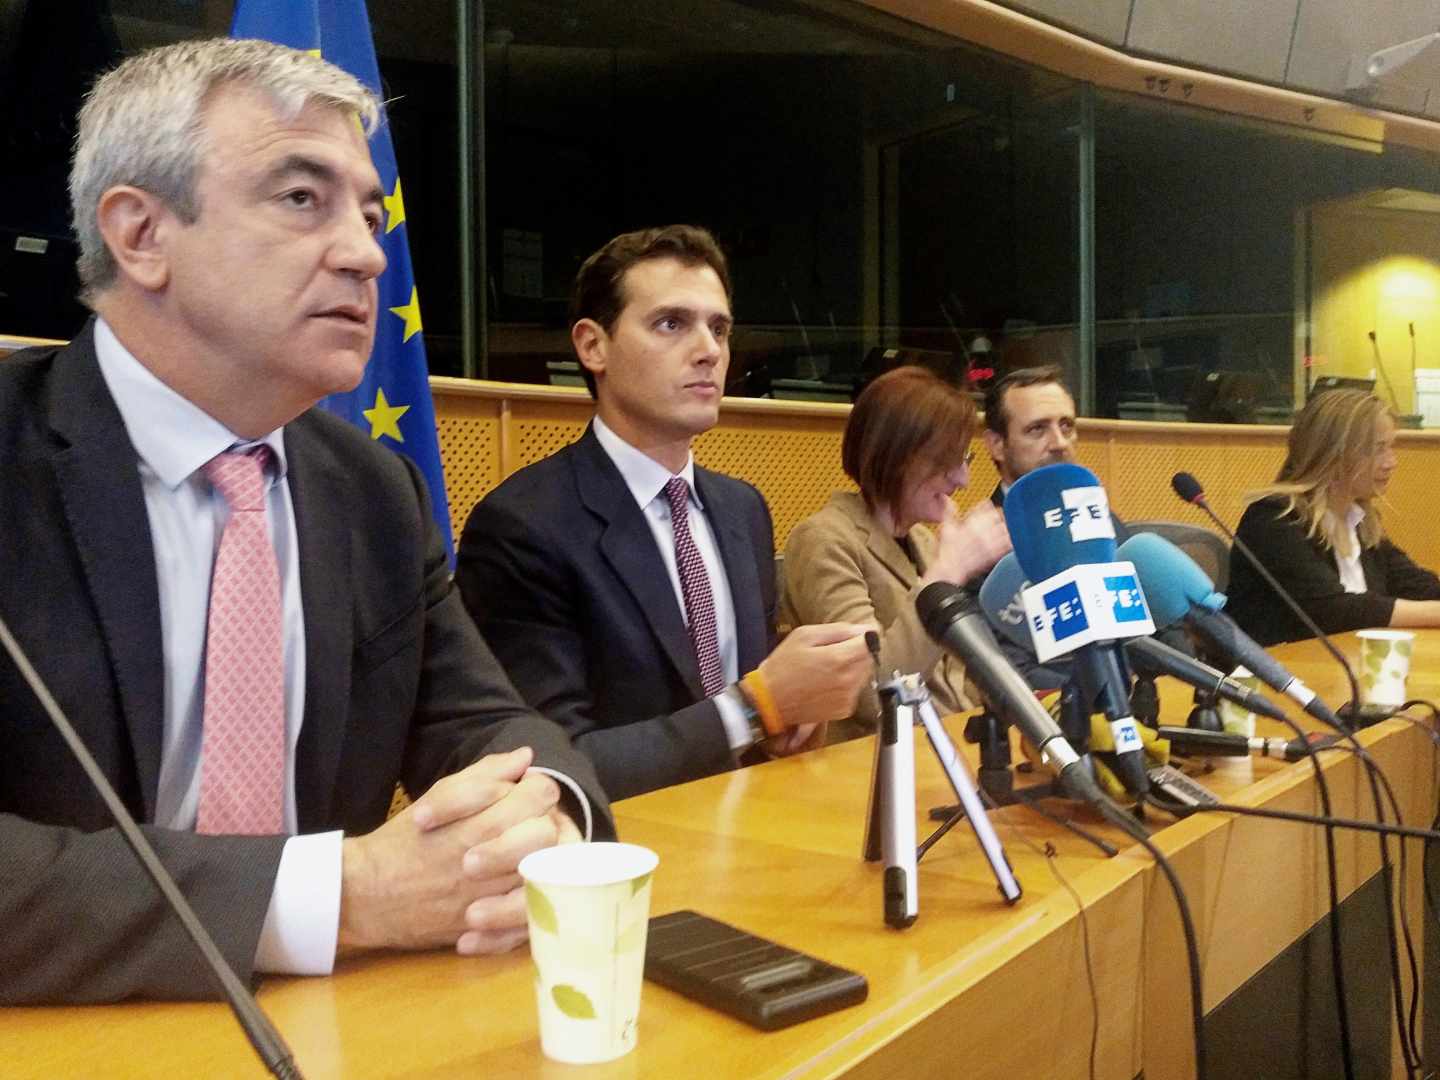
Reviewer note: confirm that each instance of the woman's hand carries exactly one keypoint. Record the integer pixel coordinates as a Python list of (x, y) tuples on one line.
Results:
[(970, 544)]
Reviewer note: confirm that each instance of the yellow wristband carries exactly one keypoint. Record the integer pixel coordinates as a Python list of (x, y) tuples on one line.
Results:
[(757, 689)]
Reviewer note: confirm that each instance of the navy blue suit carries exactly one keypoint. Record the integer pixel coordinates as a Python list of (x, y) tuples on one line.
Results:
[(562, 574)]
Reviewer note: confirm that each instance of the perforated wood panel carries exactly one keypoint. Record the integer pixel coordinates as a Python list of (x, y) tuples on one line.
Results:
[(793, 457), (795, 470), (535, 439), (470, 449)]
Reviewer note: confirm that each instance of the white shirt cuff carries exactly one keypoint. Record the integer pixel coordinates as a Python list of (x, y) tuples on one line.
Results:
[(737, 727), (588, 825), (303, 922)]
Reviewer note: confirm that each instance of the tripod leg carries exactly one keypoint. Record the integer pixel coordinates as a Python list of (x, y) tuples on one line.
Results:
[(959, 776), (896, 781)]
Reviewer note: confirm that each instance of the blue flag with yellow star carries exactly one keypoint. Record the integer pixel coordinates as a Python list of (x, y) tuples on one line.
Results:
[(392, 402)]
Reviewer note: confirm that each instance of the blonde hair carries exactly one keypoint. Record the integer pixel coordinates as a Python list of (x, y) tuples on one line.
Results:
[(143, 124), (1331, 441)]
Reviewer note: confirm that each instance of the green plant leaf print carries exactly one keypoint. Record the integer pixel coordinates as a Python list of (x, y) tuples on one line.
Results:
[(573, 1003), (542, 912)]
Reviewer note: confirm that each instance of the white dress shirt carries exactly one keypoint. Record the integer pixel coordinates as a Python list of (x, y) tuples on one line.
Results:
[(174, 438), (646, 478), (1352, 574)]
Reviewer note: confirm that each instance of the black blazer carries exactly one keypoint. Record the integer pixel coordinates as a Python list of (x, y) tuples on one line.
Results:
[(561, 572), (398, 686), (1308, 572)]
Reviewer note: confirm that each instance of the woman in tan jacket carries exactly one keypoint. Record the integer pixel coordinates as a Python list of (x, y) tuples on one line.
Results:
[(865, 556)]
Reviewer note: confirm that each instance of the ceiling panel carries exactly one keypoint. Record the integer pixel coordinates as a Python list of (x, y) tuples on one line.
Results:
[(1245, 37), (1103, 20)]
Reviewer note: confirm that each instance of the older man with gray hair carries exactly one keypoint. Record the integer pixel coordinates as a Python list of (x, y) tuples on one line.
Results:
[(241, 602)]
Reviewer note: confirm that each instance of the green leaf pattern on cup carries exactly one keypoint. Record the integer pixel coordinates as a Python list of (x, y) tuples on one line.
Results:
[(573, 1003), (542, 912)]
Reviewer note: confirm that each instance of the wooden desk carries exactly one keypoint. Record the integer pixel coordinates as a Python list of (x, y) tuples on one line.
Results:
[(974, 988)]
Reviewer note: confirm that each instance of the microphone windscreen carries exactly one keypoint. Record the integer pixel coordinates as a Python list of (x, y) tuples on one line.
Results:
[(1170, 579), (939, 604), (1187, 487), (1058, 517), (1000, 600)]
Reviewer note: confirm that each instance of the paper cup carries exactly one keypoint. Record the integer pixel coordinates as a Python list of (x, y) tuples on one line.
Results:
[(1236, 719), (1384, 666), (589, 908)]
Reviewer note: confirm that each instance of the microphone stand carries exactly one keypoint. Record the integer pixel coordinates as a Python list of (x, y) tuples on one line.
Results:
[(263, 1036), (890, 819)]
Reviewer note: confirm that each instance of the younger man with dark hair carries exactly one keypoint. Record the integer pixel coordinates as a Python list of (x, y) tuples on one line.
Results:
[(625, 589)]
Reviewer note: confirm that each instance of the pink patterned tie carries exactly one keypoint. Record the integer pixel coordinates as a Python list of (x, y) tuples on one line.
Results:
[(242, 756), (695, 585)]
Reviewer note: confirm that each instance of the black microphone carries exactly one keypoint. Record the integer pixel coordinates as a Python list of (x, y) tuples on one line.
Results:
[(267, 1041), (954, 619), (1170, 661), (1195, 742), (1189, 489)]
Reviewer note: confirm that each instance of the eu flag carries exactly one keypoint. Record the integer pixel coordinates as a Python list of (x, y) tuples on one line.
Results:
[(392, 402)]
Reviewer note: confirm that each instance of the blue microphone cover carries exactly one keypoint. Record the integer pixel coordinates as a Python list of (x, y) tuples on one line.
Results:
[(1170, 578), (1059, 517), (1000, 601)]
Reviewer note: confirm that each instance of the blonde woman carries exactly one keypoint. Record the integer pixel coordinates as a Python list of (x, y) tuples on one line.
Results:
[(1317, 529), (865, 556)]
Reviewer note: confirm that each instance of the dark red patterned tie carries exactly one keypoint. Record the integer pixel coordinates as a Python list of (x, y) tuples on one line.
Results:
[(695, 584), (242, 754)]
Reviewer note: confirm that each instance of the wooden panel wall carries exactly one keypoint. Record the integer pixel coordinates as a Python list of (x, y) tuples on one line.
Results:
[(791, 452)]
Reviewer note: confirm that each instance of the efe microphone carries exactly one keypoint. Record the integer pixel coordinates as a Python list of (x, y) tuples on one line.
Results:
[(1059, 522)]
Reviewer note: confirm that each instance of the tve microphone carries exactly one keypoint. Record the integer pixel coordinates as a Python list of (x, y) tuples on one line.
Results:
[(1082, 600), (1189, 489), (267, 1041), (1195, 742), (1179, 590), (1169, 661), (955, 621), (1004, 607)]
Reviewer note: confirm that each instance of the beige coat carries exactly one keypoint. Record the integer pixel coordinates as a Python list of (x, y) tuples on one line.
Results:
[(842, 566)]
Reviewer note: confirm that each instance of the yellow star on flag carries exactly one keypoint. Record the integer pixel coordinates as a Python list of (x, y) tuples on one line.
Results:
[(410, 313), (385, 418), (394, 208)]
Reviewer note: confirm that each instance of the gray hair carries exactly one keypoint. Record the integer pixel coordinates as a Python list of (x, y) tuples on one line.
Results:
[(143, 124)]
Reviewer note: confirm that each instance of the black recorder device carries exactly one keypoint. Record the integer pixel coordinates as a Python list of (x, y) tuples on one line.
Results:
[(755, 980)]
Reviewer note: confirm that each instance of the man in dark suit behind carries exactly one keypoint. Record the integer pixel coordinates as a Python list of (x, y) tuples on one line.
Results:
[(226, 207), (627, 590)]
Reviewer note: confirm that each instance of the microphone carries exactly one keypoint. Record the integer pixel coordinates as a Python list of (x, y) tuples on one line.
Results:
[(954, 620), (1004, 607), (1195, 742), (267, 1041), (1173, 662), (1083, 600), (1000, 599), (1189, 489), (1180, 590)]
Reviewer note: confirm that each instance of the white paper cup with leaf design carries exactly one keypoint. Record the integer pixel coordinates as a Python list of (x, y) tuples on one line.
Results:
[(589, 908), (1384, 666)]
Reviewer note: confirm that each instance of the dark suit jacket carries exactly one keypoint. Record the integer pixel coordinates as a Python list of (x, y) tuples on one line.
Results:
[(398, 686), (1307, 570), (561, 572)]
